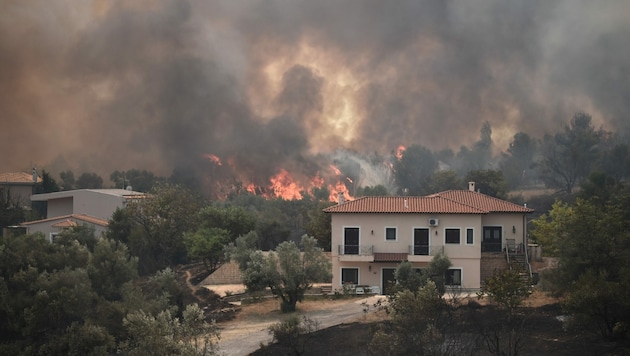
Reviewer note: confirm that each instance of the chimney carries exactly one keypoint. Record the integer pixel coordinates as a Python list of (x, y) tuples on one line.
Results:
[(471, 186), (341, 198)]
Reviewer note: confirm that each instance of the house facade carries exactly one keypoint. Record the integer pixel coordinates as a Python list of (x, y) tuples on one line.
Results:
[(371, 236), (52, 227), (18, 187), (93, 207), (99, 203)]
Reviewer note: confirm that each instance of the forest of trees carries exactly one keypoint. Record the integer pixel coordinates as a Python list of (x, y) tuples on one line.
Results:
[(84, 296), (558, 161)]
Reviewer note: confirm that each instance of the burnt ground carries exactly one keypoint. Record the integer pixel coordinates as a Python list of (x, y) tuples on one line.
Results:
[(542, 332)]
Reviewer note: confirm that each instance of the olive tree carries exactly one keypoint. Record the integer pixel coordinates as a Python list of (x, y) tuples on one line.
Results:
[(288, 271), (156, 226)]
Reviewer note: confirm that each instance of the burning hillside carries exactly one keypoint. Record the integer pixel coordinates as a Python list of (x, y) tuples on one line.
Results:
[(339, 178)]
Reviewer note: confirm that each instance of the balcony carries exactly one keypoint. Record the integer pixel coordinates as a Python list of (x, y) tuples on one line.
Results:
[(491, 246), (423, 253), (361, 253), (365, 253)]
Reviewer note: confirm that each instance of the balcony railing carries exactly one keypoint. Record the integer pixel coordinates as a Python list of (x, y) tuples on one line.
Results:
[(491, 247), (361, 250), (423, 250)]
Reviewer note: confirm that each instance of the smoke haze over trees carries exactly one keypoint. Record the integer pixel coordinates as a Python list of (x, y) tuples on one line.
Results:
[(265, 86)]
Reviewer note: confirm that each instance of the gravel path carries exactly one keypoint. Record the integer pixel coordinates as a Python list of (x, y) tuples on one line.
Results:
[(243, 338)]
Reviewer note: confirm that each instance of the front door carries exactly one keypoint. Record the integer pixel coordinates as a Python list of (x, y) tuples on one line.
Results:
[(491, 239), (421, 241), (389, 275)]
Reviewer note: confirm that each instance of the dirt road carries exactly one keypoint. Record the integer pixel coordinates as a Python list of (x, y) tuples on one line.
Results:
[(247, 332)]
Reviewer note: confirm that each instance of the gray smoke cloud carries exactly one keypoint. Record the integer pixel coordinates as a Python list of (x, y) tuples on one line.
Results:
[(156, 84)]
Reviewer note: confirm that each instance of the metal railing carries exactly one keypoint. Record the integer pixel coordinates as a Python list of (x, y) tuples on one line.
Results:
[(361, 250), (519, 249), (424, 250), (491, 247), (529, 265)]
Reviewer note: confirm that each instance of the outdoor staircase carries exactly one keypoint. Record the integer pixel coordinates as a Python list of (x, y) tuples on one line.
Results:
[(518, 261)]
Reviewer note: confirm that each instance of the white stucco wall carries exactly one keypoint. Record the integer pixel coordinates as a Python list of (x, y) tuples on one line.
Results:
[(96, 203), (372, 232), (59, 207), (99, 203), (47, 229)]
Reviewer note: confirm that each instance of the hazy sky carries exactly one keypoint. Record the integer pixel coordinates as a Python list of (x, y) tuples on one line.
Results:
[(109, 85)]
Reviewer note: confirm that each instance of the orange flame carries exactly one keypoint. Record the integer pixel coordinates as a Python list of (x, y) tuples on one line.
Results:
[(281, 185), (284, 186), (317, 181), (337, 189), (399, 152), (335, 170), (213, 158)]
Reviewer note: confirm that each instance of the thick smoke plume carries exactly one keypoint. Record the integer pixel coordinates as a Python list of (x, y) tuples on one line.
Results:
[(268, 85)]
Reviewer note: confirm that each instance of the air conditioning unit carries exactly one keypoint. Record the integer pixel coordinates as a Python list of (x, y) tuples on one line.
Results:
[(433, 222)]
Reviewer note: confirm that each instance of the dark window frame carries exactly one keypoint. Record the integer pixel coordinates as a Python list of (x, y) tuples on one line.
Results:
[(349, 234), (387, 230), (449, 236), (421, 249), (449, 279), (349, 269)]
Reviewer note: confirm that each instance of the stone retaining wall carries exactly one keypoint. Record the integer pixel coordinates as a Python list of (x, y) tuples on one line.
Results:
[(491, 262)]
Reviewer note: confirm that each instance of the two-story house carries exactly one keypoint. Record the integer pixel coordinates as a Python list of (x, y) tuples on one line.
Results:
[(371, 236)]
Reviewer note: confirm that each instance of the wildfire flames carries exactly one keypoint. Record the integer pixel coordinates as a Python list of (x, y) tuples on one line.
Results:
[(399, 152), (335, 170), (282, 184), (285, 187), (213, 158)]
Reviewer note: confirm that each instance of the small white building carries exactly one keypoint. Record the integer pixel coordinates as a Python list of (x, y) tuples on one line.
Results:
[(93, 207), (54, 226)]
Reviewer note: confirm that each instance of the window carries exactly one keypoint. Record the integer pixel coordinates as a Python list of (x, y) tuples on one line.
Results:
[(421, 242), (492, 240), (349, 276), (470, 236), (452, 236), (454, 277), (351, 241), (53, 236), (390, 234)]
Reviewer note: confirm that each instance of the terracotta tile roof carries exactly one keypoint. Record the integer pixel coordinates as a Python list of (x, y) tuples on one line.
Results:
[(19, 177), (71, 217), (448, 202), (389, 257), (65, 223), (429, 205), (484, 202)]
